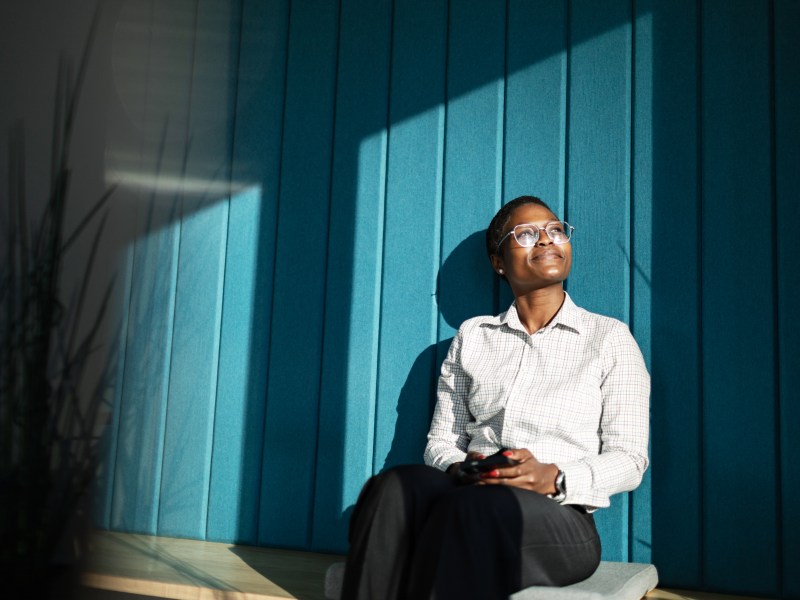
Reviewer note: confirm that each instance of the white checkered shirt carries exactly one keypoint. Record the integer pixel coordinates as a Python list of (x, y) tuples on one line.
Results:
[(575, 393)]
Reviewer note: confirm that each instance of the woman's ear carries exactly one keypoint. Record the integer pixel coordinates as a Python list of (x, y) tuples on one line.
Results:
[(497, 264)]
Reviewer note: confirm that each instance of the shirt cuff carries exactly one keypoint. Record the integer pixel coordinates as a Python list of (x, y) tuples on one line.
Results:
[(443, 462), (578, 482)]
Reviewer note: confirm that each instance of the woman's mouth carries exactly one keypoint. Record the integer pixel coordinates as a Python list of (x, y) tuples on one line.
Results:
[(548, 255)]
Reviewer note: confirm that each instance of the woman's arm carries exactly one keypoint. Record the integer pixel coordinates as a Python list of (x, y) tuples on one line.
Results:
[(447, 438), (624, 427)]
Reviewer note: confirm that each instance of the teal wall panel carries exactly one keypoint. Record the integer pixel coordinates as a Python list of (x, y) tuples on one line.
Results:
[(473, 156), (104, 481), (676, 369), (355, 250), (294, 371), (183, 501), (239, 410), (536, 102), (142, 408), (408, 312), (640, 542), (737, 196), (362, 149), (787, 243), (203, 227), (235, 492), (598, 186)]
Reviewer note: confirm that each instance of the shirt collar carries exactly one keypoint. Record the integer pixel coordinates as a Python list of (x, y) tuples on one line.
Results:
[(569, 316)]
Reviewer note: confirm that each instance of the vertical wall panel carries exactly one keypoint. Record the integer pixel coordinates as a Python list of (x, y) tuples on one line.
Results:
[(473, 159), (676, 375), (787, 182), (407, 351), (144, 396), (640, 535), (290, 434), (183, 501), (107, 454), (239, 415), (250, 253), (535, 102), (738, 328), (349, 371), (598, 202), (186, 470)]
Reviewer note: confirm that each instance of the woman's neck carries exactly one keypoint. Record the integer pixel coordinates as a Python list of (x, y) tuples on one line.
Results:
[(538, 307)]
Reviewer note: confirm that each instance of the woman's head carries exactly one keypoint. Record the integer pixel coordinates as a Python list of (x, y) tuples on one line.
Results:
[(497, 228), (541, 260)]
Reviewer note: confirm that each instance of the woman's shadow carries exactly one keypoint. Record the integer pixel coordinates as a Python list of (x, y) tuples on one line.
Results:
[(466, 287)]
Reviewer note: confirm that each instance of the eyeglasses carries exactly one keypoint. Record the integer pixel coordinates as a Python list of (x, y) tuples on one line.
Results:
[(527, 234)]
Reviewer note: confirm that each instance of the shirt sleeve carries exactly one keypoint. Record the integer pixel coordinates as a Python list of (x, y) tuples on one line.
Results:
[(447, 438), (624, 427)]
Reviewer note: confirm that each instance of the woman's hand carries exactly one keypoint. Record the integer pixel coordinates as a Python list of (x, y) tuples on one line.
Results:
[(465, 478), (528, 473)]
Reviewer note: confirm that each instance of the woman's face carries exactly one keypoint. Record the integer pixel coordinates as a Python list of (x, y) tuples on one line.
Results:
[(543, 264)]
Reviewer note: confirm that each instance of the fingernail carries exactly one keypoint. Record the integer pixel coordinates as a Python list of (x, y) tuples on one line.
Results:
[(507, 453)]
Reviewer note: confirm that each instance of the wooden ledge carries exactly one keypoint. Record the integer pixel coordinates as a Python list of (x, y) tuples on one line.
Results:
[(196, 570), (183, 569)]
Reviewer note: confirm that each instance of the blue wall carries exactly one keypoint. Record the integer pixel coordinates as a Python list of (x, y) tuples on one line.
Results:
[(283, 334)]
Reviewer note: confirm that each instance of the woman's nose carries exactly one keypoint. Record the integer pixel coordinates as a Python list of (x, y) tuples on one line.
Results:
[(544, 239)]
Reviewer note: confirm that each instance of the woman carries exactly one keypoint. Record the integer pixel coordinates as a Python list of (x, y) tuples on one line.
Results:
[(561, 393)]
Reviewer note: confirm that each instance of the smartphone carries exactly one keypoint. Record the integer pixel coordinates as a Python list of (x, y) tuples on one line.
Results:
[(487, 464)]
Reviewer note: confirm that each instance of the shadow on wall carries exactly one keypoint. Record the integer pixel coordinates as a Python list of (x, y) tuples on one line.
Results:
[(457, 303)]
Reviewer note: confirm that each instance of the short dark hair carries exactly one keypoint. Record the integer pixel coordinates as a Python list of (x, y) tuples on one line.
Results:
[(494, 233)]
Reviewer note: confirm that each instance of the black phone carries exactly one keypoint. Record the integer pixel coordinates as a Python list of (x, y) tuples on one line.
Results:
[(487, 464)]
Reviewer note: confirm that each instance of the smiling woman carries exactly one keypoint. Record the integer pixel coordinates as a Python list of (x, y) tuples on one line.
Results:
[(556, 397)]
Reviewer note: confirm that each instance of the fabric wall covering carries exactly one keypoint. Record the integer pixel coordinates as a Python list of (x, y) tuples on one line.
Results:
[(308, 183)]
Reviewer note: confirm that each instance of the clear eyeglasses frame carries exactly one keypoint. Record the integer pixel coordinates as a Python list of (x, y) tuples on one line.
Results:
[(527, 234)]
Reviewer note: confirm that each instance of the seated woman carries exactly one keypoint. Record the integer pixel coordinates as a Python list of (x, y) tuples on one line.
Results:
[(559, 392)]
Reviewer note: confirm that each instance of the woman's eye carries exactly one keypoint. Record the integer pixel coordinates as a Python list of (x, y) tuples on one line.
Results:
[(526, 236), (556, 228)]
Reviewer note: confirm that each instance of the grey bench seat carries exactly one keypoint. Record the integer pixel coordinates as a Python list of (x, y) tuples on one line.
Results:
[(611, 581)]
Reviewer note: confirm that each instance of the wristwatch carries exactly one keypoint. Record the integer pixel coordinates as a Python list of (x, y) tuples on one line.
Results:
[(561, 488)]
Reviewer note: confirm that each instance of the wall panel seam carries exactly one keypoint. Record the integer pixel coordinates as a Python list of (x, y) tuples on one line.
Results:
[(315, 452), (779, 538), (269, 318), (379, 284), (224, 261), (176, 264), (496, 288), (699, 244), (119, 395), (631, 221), (443, 163), (565, 94)]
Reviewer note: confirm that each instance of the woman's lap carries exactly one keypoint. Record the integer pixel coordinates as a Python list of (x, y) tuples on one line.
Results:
[(450, 540)]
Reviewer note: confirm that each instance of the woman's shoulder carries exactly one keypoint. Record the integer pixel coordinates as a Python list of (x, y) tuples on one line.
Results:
[(474, 323), (600, 324)]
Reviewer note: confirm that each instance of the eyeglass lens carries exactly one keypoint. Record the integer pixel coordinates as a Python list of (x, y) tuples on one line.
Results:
[(527, 235)]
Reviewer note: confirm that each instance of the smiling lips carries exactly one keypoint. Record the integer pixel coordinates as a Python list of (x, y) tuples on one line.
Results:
[(549, 254)]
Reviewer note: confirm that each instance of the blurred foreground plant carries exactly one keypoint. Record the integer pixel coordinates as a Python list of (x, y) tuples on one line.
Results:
[(48, 432)]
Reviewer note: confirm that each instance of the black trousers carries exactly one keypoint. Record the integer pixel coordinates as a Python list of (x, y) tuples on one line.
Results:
[(415, 533)]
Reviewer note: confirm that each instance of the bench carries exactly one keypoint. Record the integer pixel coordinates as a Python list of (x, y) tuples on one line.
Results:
[(611, 581)]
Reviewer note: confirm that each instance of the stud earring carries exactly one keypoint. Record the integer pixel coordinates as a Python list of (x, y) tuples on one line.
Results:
[(500, 271)]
